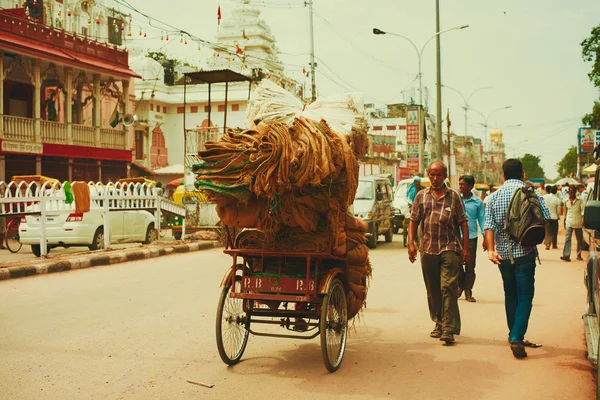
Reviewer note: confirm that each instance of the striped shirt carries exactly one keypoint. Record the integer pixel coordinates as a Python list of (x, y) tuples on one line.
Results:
[(495, 218), (441, 221)]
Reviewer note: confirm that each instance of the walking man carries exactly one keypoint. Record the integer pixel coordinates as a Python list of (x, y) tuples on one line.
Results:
[(518, 277), (553, 203), (441, 213), (476, 214), (573, 222)]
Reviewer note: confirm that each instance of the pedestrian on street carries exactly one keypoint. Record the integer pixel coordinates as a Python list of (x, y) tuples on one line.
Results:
[(413, 189), (554, 205), (441, 213), (573, 222), (518, 277), (476, 214)]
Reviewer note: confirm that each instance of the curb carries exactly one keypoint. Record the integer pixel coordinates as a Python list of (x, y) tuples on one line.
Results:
[(95, 260)]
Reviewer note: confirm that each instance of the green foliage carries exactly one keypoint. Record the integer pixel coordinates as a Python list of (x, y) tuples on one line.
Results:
[(590, 50), (532, 167), (593, 119), (568, 164)]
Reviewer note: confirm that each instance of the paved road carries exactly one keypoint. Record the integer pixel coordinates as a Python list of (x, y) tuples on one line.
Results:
[(140, 330)]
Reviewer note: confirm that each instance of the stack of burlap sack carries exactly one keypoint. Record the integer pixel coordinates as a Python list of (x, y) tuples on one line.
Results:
[(291, 183)]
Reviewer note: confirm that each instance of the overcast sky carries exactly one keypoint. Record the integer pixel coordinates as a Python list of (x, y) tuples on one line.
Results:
[(527, 51)]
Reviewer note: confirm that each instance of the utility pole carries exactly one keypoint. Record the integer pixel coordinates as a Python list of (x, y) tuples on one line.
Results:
[(438, 111), (312, 52)]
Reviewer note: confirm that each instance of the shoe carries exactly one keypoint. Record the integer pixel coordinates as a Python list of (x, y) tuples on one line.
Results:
[(565, 258), (547, 247), (447, 337), (436, 333), (555, 247), (518, 350), (579, 258), (471, 299)]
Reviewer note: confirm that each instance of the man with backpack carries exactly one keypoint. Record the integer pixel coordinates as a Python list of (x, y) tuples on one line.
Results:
[(515, 223)]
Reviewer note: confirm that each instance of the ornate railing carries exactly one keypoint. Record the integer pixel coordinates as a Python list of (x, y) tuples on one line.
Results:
[(54, 132), (19, 128), (84, 135), (112, 138)]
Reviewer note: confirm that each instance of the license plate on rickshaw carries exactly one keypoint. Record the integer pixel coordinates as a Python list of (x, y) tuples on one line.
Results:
[(277, 284)]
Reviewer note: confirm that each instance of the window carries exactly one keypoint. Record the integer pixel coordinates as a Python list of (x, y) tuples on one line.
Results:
[(84, 6), (180, 110), (378, 128), (194, 109), (391, 127), (206, 108), (151, 107), (235, 107), (221, 107), (164, 109), (84, 30), (139, 145)]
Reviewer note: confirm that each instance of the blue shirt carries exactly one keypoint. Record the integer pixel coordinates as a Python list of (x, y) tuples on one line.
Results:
[(495, 218), (476, 213), (411, 193)]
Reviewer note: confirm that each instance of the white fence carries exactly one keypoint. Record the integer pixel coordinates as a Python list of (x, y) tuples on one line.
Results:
[(32, 198)]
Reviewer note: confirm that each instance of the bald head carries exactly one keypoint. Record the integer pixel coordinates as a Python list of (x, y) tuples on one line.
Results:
[(437, 173)]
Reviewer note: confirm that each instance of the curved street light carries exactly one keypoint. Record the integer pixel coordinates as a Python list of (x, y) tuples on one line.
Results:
[(466, 108), (419, 52), (486, 119), (377, 31)]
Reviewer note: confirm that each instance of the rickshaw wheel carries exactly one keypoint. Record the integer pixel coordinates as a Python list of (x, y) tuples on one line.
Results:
[(233, 325), (333, 326)]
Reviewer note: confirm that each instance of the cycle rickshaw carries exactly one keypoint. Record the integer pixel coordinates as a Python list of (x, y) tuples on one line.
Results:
[(302, 292)]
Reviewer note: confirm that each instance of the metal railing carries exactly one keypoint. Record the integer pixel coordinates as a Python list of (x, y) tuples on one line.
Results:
[(54, 132), (19, 128), (32, 198)]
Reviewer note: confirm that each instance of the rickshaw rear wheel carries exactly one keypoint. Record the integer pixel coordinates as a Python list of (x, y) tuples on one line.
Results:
[(333, 326), (233, 325)]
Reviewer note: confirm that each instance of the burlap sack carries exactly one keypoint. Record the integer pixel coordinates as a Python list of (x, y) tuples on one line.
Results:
[(358, 255)]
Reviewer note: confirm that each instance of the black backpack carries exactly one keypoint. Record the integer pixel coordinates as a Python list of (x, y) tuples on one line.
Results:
[(525, 221)]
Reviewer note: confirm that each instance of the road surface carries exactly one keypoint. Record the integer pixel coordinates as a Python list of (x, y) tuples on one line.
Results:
[(140, 330)]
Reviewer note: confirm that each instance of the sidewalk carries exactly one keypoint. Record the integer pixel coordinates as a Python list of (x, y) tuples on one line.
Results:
[(65, 262)]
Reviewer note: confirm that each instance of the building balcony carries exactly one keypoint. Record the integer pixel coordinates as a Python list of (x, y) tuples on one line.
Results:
[(25, 130)]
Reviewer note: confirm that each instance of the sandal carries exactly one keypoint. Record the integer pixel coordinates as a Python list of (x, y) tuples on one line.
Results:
[(435, 334), (470, 299), (527, 343)]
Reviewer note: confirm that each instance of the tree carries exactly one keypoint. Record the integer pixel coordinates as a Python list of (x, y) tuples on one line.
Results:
[(532, 167), (568, 164), (590, 50), (593, 119), (591, 53)]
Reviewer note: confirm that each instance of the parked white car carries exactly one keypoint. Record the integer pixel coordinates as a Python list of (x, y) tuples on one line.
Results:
[(87, 229), (66, 229)]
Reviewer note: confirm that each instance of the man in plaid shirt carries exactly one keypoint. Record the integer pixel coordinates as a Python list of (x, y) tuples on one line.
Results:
[(518, 278)]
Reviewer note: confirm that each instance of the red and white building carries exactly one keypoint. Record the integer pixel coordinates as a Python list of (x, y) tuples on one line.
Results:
[(60, 89)]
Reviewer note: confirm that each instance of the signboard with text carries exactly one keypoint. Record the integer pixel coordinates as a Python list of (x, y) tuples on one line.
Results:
[(587, 139), (10, 146), (413, 119)]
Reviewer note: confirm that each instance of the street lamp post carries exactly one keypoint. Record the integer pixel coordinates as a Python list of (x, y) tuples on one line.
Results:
[(466, 108), (485, 125), (419, 56)]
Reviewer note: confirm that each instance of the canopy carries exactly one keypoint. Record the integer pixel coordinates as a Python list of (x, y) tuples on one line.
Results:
[(175, 182), (564, 181), (34, 178), (590, 169)]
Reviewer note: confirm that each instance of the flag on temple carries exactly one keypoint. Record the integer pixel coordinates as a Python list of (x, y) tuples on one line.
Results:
[(244, 34), (115, 118), (219, 15)]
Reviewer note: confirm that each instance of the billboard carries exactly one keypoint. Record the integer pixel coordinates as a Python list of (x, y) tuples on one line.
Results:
[(412, 137), (587, 140)]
